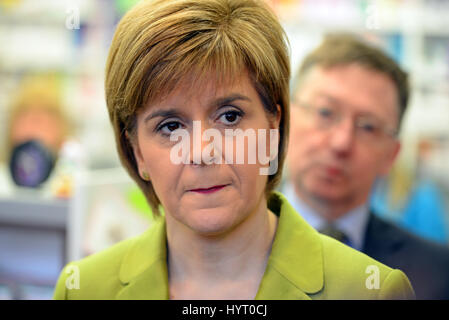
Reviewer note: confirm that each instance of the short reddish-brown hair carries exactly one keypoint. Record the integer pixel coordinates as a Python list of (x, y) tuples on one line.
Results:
[(159, 42)]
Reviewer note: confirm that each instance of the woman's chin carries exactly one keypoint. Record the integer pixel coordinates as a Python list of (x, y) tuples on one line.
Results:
[(212, 222)]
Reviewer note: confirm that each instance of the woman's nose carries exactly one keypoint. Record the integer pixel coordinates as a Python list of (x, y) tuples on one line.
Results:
[(203, 148)]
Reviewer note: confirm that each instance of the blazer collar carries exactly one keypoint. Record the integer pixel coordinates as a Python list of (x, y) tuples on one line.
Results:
[(143, 272), (294, 269), (295, 265)]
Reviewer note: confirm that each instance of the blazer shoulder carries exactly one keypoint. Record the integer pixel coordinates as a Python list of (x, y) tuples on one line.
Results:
[(354, 275), (95, 276)]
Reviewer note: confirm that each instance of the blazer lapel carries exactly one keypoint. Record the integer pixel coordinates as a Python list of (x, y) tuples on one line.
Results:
[(294, 269), (275, 286), (143, 273), (295, 265)]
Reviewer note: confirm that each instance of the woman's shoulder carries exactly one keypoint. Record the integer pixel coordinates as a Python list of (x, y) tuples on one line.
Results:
[(325, 268), (93, 277), (108, 259), (354, 275), (99, 276)]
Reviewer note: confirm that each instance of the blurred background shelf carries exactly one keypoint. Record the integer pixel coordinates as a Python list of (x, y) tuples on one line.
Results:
[(34, 211)]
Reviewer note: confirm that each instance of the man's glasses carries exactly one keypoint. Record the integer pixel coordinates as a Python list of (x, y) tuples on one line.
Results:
[(368, 128)]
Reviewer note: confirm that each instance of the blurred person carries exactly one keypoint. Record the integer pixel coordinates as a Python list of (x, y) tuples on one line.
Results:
[(347, 105), (37, 128), (224, 234)]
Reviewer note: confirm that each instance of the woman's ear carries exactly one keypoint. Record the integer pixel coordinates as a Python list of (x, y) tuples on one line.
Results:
[(138, 156), (275, 123)]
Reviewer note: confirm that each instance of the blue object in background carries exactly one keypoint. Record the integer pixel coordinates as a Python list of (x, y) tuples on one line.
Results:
[(395, 47), (424, 213)]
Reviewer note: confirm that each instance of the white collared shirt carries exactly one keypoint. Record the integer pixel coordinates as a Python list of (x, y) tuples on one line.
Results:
[(353, 223)]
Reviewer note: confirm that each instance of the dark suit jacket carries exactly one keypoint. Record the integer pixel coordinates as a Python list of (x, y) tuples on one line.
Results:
[(425, 263)]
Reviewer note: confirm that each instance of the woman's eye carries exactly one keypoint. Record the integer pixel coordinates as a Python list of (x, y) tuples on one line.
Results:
[(169, 127), (230, 117)]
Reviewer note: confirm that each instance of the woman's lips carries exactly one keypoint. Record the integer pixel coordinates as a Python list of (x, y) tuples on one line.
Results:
[(209, 190)]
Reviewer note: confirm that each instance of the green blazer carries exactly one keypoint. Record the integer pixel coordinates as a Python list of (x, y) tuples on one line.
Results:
[(303, 264)]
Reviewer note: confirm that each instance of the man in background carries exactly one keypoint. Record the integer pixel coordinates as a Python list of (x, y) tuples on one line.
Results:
[(347, 105)]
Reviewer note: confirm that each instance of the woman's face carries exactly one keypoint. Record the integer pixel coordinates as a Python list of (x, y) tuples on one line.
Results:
[(208, 198)]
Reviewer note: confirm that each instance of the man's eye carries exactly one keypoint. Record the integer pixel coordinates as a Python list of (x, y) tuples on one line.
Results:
[(230, 117), (368, 127), (325, 113)]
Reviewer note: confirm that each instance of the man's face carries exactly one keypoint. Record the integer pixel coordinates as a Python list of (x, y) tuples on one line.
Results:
[(337, 162)]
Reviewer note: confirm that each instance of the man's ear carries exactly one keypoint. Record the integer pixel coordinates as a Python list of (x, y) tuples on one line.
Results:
[(137, 154), (391, 157)]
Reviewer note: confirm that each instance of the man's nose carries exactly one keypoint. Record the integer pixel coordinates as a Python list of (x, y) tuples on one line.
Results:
[(342, 137)]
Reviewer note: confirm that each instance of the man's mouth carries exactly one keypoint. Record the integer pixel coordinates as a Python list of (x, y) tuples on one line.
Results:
[(333, 171)]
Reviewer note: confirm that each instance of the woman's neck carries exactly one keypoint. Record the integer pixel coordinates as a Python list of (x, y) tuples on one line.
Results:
[(196, 262)]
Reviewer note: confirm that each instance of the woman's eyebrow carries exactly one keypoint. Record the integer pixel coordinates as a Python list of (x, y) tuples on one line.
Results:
[(162, 113), (229, 99), (173, 112)]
